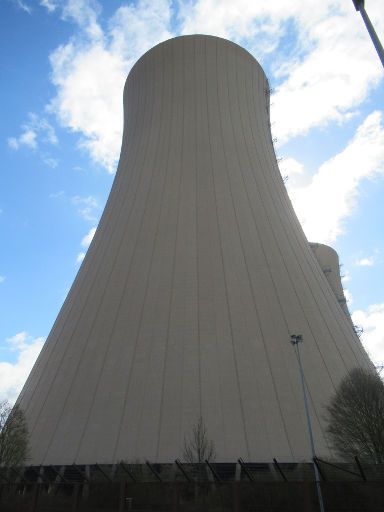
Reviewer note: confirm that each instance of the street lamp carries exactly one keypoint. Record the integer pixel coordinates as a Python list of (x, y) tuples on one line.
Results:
[(359, 6), (295, 340)]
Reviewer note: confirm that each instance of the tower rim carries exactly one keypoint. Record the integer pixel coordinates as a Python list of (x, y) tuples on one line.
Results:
[(193, 36)]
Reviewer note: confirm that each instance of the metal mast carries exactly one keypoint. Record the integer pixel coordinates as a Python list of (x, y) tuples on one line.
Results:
[(359, 6), (295, 340)]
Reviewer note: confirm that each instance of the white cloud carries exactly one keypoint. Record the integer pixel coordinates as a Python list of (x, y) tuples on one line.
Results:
[(324, 74), (18, 340), (49, 161), (89, 99), (84, 13), (136, 28), (44, 128), (292, 172), (372, 321), (34, 127), (23, 6), (56, 195), (324, 204), (365, 262), (13, 375), (346, 277), (50, 5), (12, 143), (88, 237), (87, 207), (292, 167), (330, 81), (85, 242), (237, 20), (28, 138), (80, 257), (90, 70), (2, 279), (348, 296)]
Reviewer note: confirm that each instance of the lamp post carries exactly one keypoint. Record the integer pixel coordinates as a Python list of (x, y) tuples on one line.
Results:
[(295, 340), (359, 6)]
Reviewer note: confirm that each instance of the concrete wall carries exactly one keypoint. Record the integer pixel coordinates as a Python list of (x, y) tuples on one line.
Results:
[(329, 263), (198, 274)]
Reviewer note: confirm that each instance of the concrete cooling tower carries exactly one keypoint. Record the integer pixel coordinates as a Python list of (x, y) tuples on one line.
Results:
[(329, 263), (197, 276)]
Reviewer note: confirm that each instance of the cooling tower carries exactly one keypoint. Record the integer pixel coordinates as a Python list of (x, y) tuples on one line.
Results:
[(329, 263), (197, 276)]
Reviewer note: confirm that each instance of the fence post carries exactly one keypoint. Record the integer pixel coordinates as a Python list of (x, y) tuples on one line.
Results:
[(236, 496), (75, 496), (175, 496), (308, 494), (35, 500), (122, 496)]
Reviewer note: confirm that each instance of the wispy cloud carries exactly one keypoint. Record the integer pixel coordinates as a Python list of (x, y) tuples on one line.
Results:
[(348, 296), (365, 262), (324, 204), (18, 341), (35, 127), (49, 161), (89, 71), (85, 242), (50, 5), (87, 207), (2, 279), (84, 13), (13, 375), (35, 131), (80, 257), (27, 138), (346, 277), (56, 195), (23, 6)]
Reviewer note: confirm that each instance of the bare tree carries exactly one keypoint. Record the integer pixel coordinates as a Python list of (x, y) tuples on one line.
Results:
[(13, 435), (199, 447), (356, 416)]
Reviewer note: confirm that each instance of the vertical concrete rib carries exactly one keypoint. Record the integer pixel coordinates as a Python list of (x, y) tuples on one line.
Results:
[(198, 274)]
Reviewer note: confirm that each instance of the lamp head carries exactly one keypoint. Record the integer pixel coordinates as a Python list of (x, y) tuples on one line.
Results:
[(358, 4), (296, 338)]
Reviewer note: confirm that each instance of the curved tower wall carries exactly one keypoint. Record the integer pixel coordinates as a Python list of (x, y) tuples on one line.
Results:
[(329, 263), (198, 274)]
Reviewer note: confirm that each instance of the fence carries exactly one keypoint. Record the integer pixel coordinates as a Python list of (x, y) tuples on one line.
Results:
[(209, 487)]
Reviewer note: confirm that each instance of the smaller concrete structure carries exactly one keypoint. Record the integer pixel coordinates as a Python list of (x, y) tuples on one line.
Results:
[(329, 262)]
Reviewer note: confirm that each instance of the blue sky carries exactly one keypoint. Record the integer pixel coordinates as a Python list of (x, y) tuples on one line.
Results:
[(63, 66)]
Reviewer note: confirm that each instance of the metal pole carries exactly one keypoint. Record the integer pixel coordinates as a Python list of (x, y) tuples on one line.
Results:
[(359, 6), (295, 340)]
